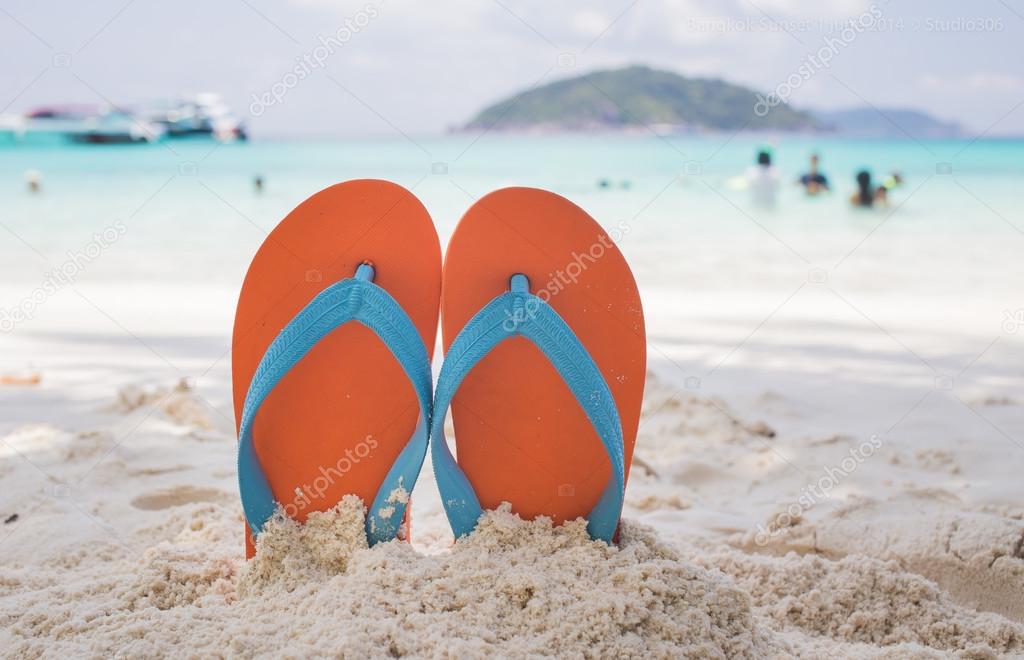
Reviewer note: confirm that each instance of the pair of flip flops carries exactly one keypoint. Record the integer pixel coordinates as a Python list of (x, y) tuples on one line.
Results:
[(544, 361)]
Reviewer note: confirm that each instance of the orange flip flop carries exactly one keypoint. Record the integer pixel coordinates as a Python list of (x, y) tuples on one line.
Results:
[(335, 326), (545, 359)]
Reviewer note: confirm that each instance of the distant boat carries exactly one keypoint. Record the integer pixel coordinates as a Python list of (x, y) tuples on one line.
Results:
[(203, 115), (116, 127), (78, 124), (200, 116)]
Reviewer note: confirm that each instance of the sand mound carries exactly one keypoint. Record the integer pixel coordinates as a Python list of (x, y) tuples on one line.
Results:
[(512, 588), (866, 600), (179, 403), (976, 556)]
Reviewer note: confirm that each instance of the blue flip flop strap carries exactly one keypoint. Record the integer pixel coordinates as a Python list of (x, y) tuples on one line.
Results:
[(519, 313), (353, 299)]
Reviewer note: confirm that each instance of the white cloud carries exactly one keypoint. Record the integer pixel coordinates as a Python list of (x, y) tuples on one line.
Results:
[(982, 81), (589, 22), (822, 9)]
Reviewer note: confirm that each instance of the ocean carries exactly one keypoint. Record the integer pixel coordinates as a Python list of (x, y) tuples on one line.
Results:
[(186, 212)]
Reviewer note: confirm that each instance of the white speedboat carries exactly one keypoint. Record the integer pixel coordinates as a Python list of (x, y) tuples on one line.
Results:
[(79, 124), (203, 115)]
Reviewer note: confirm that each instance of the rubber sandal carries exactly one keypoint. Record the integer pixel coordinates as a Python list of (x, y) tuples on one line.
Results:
[(544, 364), (335, 327)]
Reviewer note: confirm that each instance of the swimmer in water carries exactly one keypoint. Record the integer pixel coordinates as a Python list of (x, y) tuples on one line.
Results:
[(881, 196), (763, 180), (33, 179), (865, 195), (894, 180), (814, 181)]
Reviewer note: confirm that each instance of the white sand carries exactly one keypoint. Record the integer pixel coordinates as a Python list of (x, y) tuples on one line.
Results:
[(747, 534)]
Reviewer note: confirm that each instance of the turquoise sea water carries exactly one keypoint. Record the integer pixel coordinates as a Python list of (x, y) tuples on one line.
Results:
[(190, 212)]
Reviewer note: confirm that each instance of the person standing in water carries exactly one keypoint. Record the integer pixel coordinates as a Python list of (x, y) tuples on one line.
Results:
[(882, 196), (34, 181), (865, 195), (814, 181), (763, 180), (894, 180)]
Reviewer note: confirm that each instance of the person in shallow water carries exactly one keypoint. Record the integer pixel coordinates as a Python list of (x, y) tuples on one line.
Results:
[(882, 196), (33, 180), (814, 181), (894, 180), (865, 195), (763, 180)]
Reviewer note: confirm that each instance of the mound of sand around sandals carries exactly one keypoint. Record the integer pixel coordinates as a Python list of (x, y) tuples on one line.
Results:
[(512, 588)]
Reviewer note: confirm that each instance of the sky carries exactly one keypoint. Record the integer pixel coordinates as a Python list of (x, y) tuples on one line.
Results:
[(372, 67)]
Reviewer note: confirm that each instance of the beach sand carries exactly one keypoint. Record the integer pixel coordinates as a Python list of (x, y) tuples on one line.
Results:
[(812, 490)]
